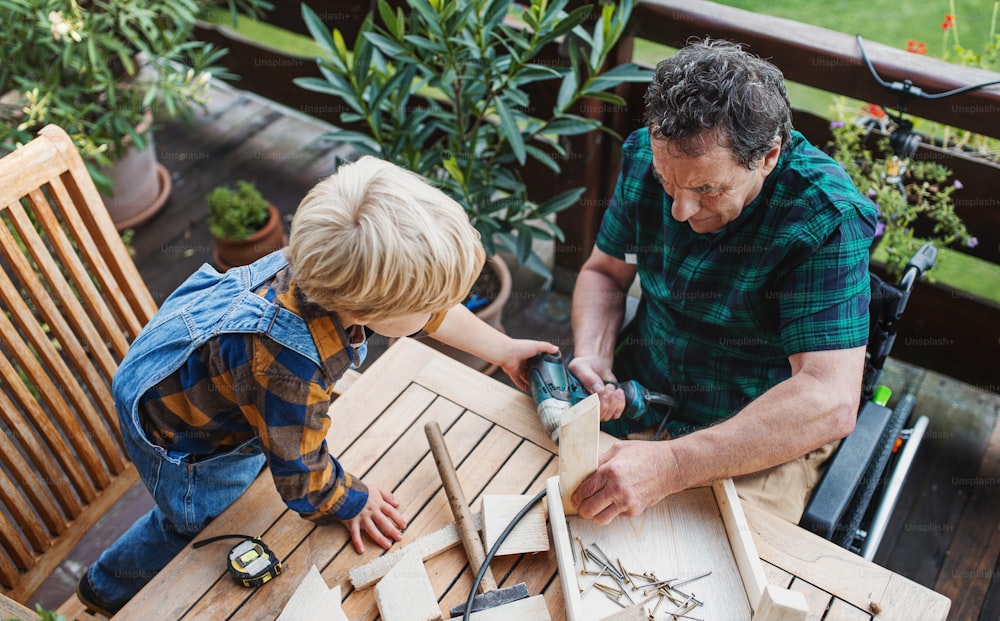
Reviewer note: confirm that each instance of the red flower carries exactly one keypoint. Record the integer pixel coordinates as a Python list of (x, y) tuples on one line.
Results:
[(874, 110), (949, 22), (916, 47)]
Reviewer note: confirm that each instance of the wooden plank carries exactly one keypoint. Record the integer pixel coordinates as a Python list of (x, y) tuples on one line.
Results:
[(530, 534), (563, 547), (313, 599), (405, 593), (578, 447), (427, 547), (839, 572), (738, 533)]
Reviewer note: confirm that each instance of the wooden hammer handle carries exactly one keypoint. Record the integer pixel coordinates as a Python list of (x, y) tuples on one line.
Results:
[(459, 506)]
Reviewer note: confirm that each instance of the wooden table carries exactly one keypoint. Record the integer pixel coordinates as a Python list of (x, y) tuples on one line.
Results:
[(499, 447)]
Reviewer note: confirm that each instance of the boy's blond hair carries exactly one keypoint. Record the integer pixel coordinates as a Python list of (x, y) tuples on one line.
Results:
[(377, 241)]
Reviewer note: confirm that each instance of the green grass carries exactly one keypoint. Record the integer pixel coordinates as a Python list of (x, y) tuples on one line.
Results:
[(891, 23), (966, 273)]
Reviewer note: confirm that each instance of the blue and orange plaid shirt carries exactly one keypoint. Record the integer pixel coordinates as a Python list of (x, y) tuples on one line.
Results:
[(721, 312), (238, 386)]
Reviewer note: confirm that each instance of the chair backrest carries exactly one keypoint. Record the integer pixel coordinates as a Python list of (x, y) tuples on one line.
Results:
[(72, 300)]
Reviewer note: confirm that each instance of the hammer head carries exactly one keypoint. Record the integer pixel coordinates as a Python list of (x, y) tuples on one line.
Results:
[(492, 599)]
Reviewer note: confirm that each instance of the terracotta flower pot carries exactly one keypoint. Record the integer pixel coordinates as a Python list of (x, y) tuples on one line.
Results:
[(269, 238), (141, 184)]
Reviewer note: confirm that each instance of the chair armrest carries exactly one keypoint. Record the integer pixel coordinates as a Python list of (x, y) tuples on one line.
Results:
[(845, 471)]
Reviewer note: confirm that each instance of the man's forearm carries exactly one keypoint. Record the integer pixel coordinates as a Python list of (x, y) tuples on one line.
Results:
[(598, 309), (794, 417)]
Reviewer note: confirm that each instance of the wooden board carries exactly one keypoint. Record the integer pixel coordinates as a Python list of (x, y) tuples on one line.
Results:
[(405, 592), (697, 530), (529, 535), (313, 599), (579, 440)]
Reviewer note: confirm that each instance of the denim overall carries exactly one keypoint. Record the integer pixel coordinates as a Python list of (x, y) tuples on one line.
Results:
[(190, 492)]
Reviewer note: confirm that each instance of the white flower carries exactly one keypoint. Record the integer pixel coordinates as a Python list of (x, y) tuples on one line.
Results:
[(61, 28)]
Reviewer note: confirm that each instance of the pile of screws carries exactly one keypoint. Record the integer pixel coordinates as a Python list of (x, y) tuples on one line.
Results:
[(632, 589)]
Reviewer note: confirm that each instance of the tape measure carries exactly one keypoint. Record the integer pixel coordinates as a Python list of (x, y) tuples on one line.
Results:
[(251, 563)]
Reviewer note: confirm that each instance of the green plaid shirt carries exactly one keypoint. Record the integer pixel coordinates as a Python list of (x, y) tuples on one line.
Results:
[(721, 312)]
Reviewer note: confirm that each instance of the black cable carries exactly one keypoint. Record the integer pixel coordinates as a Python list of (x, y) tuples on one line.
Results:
[(493, 552), (198, 544), (907, 87)]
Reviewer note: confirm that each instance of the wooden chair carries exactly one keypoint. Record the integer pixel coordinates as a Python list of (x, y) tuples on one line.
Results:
[(72, 301)]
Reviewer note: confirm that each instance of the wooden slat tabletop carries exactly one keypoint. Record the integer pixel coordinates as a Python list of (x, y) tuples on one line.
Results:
[(499, 447)]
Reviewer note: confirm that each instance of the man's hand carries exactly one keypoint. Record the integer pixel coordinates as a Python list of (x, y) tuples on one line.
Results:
[(592, 372), (515, 361), (379, 519), (631, 477)]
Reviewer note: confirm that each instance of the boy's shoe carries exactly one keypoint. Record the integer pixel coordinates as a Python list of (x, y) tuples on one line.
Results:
[(85, 593)]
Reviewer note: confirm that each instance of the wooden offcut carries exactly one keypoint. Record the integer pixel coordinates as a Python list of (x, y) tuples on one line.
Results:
[(529, 535), (405, 592), (579, 442), (313, 599)]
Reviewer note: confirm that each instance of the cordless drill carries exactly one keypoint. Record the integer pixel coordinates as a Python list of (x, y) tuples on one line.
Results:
[(556, 390)]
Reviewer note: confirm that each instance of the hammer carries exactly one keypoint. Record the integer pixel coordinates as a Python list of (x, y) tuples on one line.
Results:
[(490, 596)]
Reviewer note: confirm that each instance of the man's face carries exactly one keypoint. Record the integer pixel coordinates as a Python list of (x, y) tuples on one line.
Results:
[(711, 189)]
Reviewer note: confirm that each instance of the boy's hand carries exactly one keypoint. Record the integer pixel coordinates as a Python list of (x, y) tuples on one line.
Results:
[(516, 361), (379, 519)]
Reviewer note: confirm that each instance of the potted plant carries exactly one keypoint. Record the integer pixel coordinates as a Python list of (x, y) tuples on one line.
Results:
[(908, 193), (442, 89), (243, 225), (100, 69)]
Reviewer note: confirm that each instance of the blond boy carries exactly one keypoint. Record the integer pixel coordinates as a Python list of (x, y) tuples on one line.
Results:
[(236, 370)]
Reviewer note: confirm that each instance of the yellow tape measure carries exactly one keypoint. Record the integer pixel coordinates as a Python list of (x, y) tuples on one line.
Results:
[(251, 563)]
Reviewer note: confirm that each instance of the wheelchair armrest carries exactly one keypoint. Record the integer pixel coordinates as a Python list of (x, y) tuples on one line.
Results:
[(845, 470)]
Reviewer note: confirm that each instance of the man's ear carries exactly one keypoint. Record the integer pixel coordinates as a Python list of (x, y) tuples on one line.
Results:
[(771, 157)]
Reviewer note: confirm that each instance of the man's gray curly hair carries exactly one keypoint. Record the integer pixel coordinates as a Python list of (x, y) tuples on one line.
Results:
[(715, 85)]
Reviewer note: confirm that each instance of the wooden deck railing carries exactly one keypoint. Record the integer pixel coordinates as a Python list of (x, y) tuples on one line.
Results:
[(947, 330)]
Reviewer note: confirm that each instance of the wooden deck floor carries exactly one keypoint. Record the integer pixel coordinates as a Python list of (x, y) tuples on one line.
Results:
[(946, 530)]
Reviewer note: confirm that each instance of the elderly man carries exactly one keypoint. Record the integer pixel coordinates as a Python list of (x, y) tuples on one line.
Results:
[(752, 250)]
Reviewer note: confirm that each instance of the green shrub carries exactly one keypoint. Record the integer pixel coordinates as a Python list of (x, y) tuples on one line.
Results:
[(237, 214)]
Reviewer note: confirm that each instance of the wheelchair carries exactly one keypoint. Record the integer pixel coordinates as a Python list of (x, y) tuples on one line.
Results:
[(873, 461)]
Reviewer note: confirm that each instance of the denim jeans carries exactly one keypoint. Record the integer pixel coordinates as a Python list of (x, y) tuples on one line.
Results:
[(187, 495)]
